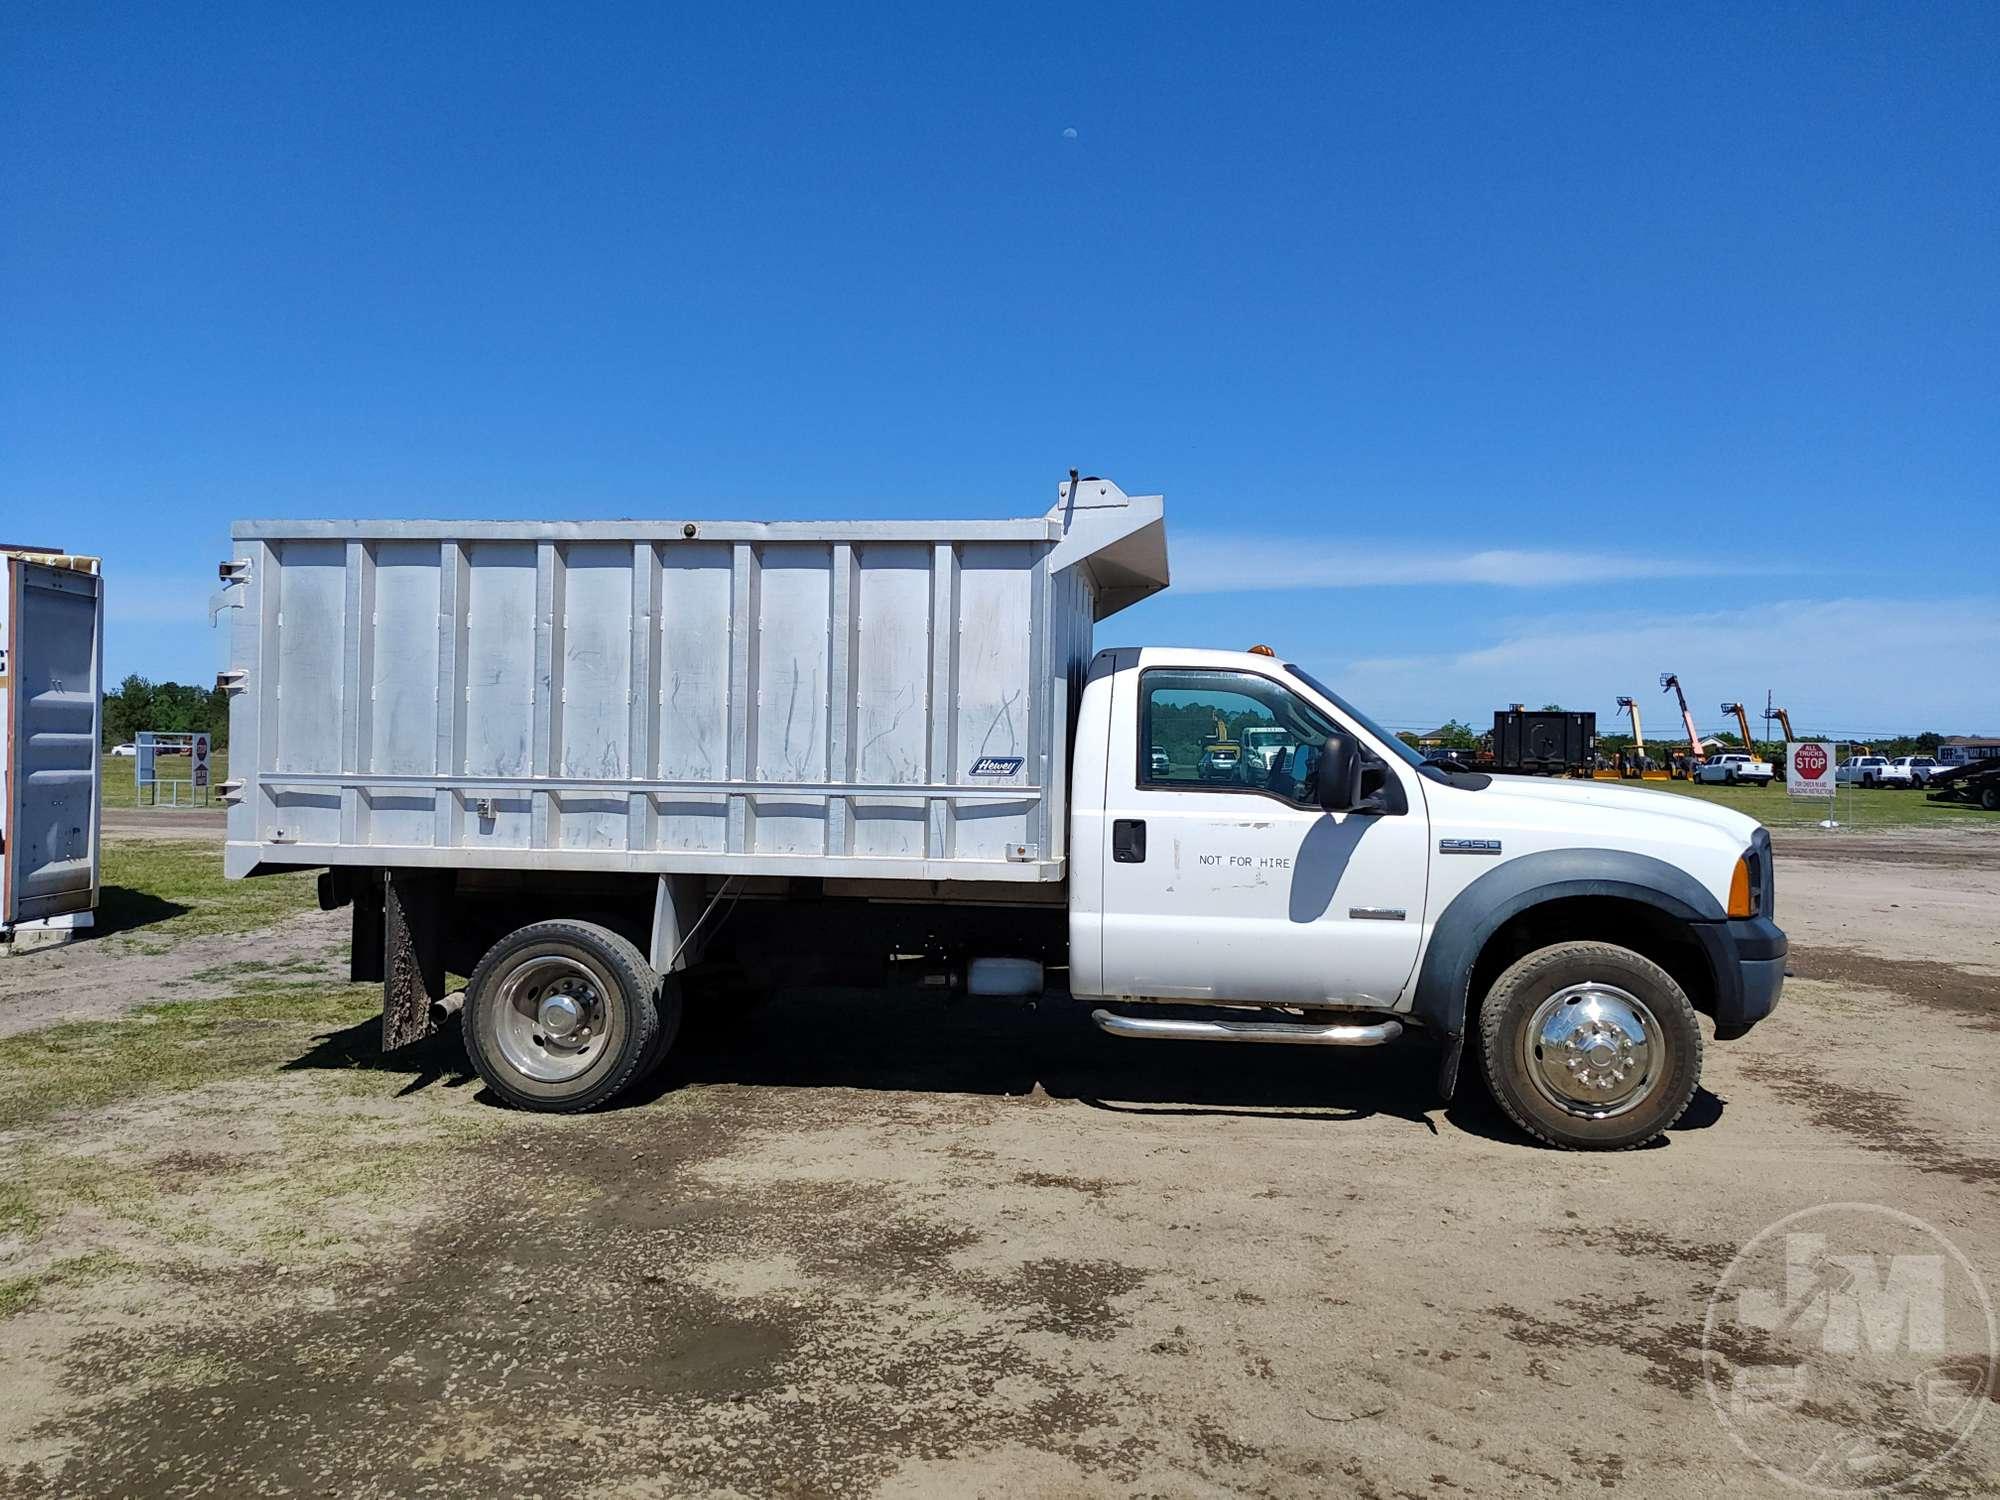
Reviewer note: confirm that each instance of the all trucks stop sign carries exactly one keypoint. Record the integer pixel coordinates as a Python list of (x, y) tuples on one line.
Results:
[(1810, 772), (200, 755)]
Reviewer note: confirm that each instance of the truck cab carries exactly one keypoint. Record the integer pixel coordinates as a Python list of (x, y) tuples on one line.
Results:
[(1568, 930)]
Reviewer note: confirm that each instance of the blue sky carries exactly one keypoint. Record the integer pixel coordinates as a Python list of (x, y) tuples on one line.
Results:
[(1482, 354)]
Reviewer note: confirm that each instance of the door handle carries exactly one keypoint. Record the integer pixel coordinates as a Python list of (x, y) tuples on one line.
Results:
[(1128, 841)]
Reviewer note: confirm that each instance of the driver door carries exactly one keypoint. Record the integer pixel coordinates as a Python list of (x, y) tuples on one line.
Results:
[(1223, 879)]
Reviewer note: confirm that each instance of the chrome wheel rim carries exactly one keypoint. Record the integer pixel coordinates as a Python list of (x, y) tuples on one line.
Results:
[(1594, 1050), (551, 1020)]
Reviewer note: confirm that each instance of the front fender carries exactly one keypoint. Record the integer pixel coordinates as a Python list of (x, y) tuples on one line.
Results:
[(1501, 894)]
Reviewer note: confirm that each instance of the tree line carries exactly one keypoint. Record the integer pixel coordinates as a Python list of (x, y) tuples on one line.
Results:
[(1456, 734), (167, 707)]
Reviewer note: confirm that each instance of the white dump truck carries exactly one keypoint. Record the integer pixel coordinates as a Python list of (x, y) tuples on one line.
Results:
[(602, 766), (51, 706)]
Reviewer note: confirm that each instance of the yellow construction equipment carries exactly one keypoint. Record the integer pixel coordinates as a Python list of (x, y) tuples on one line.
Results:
[(1635, 763), (1669, 683), (1638, 765), (1743, 720)]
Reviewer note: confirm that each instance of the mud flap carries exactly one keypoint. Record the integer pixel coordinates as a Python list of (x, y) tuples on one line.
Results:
[(1448, 1061), (414, 903)]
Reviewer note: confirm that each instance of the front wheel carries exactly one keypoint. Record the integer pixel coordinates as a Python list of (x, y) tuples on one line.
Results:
[(1590, 1047), (563, 1016)]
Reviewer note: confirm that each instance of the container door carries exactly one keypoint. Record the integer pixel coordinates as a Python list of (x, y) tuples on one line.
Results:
[(54, 632)]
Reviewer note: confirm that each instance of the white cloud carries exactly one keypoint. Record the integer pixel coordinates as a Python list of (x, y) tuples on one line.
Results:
[(1840, 665), (1215, 562)]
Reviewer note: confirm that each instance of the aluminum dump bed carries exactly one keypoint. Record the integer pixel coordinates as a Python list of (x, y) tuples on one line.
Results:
[(874, 699)]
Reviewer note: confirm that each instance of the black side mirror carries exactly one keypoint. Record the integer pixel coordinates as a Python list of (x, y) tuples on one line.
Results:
[(1337, 778)]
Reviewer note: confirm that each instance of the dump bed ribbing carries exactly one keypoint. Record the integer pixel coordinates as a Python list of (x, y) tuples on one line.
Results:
[(880, 699)]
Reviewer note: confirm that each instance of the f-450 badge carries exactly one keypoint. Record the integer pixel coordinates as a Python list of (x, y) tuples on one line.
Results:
[(995, 765)]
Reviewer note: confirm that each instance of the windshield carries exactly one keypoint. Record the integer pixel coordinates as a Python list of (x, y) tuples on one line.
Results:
[(1389, 741)]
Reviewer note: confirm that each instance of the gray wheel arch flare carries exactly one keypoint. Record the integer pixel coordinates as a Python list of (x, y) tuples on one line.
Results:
[(1480, 910)]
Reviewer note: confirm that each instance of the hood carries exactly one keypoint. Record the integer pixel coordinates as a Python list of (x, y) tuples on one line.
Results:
[(1616, 798)]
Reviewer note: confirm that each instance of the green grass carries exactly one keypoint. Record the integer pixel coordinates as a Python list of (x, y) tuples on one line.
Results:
[(259, 970), (17, 1293), (174, 889), (120, 790), (333, 1167), (18, 1213), (174, 1047), (1860, 808)]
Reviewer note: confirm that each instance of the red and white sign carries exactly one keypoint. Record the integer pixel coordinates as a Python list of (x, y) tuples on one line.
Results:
[(1809, 768), (200, 754)]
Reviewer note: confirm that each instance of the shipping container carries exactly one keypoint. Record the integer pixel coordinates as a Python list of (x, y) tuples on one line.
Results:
[(51, 716), (1547, 743)]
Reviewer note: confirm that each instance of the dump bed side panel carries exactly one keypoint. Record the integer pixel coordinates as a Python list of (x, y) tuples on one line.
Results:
[(556, 697)]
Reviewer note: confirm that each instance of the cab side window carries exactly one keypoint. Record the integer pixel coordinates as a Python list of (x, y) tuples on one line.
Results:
[(1227, 731)]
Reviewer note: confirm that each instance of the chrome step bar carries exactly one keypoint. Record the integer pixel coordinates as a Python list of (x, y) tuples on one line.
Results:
[(1284, 1033)]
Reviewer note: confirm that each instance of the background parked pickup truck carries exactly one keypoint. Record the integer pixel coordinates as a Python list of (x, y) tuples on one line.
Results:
[(1733, 768)]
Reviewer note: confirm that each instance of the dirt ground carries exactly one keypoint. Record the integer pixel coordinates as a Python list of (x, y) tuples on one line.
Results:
[(872, 1246), (164, 823)]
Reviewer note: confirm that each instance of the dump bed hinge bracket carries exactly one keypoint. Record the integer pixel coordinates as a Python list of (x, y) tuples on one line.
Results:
[(234, 575)]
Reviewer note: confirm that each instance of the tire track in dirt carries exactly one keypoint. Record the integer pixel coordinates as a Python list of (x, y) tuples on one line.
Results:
[(1972, 997), (1875, 1119), (599, 1298)]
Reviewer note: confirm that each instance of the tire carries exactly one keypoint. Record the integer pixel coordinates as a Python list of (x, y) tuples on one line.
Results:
[(670, 1005), (1620, 992), (626, 1017), (1734, 778), (1989, 798)]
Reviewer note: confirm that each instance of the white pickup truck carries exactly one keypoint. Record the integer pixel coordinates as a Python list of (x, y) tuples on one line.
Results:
[(1733, 768), (1873, 770), (603, 766), (1915, 770)]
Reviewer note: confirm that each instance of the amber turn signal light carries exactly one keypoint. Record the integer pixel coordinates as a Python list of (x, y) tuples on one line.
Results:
[(1739, 890)]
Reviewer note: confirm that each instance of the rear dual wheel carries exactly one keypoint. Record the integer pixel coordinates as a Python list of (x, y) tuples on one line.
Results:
[(1590, 1046), (564, 1016)]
